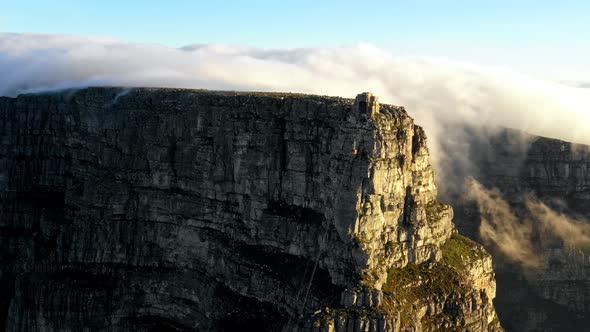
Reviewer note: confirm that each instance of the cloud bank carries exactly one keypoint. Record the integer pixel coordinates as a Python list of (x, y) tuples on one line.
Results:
[(440, 94), (501, 228), (526, 240)]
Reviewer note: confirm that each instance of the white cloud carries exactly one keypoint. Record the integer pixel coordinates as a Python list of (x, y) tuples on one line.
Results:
[(438, 93)]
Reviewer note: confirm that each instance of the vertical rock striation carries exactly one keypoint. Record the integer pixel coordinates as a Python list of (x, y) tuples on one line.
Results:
[(555, 296), (169, 209)]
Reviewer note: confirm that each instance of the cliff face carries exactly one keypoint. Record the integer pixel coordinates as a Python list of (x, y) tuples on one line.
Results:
[(556, 296), (155, 209)]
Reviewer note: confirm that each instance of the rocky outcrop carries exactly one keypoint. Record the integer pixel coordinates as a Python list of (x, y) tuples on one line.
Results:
[(168, 209), (554, 297)]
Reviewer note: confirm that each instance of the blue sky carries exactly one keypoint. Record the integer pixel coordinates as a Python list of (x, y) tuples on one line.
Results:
[(548, 39)]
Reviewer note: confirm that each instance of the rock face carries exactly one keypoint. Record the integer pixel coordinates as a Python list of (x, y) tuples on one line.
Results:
[(555, 297), (168, 209)]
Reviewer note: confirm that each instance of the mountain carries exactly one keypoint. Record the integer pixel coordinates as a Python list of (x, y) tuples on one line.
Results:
[(546, 184), (187, 210)]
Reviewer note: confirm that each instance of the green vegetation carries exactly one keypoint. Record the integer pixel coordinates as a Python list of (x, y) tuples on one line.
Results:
[(458, 251), (434, 209), (430, 281), (414, 284)]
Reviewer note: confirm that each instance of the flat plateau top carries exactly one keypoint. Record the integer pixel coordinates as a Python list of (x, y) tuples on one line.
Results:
[(181, 95), (140, 90)]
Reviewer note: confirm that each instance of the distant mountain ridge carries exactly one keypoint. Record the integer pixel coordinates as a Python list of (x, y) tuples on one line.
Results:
[(557, 173)]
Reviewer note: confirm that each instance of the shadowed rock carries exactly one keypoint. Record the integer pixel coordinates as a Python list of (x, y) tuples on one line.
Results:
[(171, 209)]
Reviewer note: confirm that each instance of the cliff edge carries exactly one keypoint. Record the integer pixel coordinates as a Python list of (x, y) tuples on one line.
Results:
[(553, 295), (171, 209)]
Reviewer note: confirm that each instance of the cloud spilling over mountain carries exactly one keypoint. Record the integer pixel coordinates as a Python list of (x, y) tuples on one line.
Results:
[(523, 240), (440, 94), (502, 228)]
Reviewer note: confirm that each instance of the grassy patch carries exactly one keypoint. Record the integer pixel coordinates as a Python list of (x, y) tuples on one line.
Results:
[(408, 288), (459, 251), (434, 209)]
